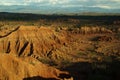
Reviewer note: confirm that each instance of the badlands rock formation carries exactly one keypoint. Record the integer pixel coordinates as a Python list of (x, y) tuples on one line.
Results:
[(26, 40), (27, 52), (21, 48)]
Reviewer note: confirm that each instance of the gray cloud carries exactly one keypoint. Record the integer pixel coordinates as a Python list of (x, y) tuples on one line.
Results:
[(66, 3), (58, 5)]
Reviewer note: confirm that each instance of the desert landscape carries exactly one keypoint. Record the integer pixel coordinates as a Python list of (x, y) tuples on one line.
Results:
[(59, 47)]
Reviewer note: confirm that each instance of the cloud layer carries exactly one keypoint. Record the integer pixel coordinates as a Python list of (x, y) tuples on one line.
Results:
[(64, 4)]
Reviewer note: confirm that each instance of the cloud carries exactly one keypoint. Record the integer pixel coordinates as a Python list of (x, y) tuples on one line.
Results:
[(53, 1), (113, 4), (12, 2), (116, 0), (101, 6)]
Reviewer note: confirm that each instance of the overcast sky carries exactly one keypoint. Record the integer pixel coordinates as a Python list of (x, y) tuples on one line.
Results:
[(105, 4)]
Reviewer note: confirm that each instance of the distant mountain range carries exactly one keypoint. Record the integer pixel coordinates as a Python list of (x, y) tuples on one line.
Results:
[(56, 10)]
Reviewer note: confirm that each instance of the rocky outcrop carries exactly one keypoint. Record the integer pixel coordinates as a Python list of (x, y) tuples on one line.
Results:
[(30, 40), (12, 68), (91, 30)]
